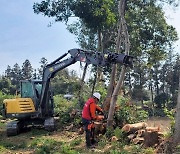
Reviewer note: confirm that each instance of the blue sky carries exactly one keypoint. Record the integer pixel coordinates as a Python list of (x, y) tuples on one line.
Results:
[(25, 35)]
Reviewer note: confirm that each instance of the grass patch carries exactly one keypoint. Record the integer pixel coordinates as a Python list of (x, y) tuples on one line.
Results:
[(2, 148), (2, 125), (75, 142), (12, 146), (66, 149), (44, 145)]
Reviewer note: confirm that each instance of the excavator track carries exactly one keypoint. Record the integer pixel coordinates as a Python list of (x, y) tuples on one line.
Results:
[(14, 128), (49, 124)]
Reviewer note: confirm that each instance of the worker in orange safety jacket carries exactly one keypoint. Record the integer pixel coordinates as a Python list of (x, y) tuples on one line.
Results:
[(88, 115)]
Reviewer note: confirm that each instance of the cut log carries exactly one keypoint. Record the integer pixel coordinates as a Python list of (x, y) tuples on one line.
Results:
[(114, 138), (138, 140), (131, 136), (153, 129), (140, 133), (132, 128), (81, 131), (151, 138), (69, 127)]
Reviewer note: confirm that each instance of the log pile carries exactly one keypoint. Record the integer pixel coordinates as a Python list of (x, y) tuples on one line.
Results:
[(140, 133)]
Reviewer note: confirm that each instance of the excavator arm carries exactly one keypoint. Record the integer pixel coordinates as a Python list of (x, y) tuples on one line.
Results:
[(89, 57)]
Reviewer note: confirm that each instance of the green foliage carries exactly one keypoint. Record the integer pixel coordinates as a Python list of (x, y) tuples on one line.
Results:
[(148, 151), (121, 136), (115, 151), (161, 100), (65, 82), (27, 70), (75, 142), (139, 93), (177, 149), (6, 86), (109, 132), (171, 115), (43, 145), (128, 113), (101, 88), (135, 149), (158, 112), (2, 148), (96, 13), (66, 149), (63, 108), (100, 12), (2, 98), (103, 141), (12, 146)]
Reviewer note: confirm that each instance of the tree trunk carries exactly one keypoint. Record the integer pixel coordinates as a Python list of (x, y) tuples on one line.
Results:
[(176, 138), (122, 74), (82, 81), (98, 74), (106, 103), (111, 86), (100, 49), (94, 82), (115, 96)]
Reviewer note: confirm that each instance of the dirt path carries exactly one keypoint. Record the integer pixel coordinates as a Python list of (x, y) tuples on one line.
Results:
[(163, 122)]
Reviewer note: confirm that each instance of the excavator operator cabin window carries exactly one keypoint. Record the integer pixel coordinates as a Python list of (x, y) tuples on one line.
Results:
[(26, 90), (38, 88)]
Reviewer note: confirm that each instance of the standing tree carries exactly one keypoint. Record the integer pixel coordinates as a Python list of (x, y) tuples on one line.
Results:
[(27, 70), (122, 32), (176, 138), (16, 75), (43, 63)]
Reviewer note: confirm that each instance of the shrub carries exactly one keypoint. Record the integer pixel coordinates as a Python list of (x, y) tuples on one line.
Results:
[(128, 113), (66, 149), (171, 115), (63, 108), (43, 145), (2, 98), (2, 148), (161, 100), (75, 142), (122, 137), (103, 141)]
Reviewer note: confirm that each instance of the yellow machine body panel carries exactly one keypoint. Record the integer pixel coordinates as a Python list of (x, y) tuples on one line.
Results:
[(19, 105)]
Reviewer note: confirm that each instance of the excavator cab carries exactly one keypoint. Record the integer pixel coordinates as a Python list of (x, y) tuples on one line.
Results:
[(31, 89), (25, 109)]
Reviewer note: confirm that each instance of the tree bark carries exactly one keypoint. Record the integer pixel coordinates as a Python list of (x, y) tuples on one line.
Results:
[(123, 70), (176, 138), (115, 96), (98, 69), (82, 81), (111, 86), (106, 103)]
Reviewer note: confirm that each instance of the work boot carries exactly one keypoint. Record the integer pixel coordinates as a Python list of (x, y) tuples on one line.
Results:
[(93, 141), (90, 146)]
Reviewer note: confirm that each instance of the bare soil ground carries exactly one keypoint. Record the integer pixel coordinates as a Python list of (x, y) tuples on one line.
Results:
[(163, 122)]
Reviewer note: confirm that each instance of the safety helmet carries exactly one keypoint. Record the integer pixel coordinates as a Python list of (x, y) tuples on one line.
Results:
[(97, 95)]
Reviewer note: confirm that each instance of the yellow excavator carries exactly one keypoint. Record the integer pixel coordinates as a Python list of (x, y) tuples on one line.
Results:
[(35, 105)]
